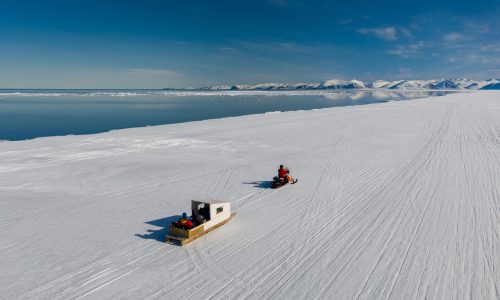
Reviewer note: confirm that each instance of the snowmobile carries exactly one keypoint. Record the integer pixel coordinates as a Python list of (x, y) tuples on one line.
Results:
[(279, 182), (207, 216)]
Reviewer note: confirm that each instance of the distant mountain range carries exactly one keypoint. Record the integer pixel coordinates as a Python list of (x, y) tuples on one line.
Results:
[(337, 84)]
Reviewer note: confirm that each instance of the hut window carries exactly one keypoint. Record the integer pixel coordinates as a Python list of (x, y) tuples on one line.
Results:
[(220, 209)]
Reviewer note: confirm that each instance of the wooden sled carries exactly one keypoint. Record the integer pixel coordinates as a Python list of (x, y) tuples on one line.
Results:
[(215, 214)]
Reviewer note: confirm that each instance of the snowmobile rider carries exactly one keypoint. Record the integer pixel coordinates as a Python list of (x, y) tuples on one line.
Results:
[(184, 222), (284, 173)]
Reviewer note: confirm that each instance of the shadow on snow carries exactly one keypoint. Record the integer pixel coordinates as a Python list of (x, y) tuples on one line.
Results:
[(263, 184), (159, 234)]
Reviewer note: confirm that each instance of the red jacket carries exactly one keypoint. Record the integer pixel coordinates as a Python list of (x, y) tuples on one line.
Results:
[(186, 223), (282, 172)]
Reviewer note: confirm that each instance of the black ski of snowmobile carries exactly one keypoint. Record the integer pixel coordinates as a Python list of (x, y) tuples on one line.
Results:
[(279, 182)]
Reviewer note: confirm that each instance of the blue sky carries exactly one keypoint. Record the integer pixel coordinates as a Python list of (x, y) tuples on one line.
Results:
[(154, 44)]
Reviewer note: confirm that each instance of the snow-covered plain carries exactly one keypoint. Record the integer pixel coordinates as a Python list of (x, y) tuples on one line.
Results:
[(399, 200)]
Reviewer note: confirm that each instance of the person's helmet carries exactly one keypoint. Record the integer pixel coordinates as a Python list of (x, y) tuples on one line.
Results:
[(281, 166), (184, 215)]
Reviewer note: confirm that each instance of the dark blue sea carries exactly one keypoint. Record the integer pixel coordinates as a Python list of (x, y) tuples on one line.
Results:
[(27, 114)]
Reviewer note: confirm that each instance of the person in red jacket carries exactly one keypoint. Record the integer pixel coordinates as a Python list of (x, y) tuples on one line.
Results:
[(184, 222), (284, 173)]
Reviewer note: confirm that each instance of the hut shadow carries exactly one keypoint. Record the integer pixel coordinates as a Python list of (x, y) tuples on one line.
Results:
[(159, 234), (263, 184)]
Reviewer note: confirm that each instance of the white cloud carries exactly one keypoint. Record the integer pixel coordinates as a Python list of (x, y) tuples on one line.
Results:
[(409, 50), (345, 21), (454, 37), (495, 47), (400, 73), (406, 32), (385, 33), (289, 47), (479, 26), (405, 73), (227, 49), (151, 72)]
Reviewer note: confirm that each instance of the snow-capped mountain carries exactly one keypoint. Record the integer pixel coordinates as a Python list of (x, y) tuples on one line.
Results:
[(343, 84), (452, 84), (487, 84), (265, 86), (413, 85), (492, 86), (377, 84), (340, 84)]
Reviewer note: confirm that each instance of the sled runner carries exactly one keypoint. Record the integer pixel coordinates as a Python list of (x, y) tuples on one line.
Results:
[(206, 217)]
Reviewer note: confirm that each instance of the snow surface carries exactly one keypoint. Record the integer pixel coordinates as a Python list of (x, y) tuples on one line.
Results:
[(399, 200)]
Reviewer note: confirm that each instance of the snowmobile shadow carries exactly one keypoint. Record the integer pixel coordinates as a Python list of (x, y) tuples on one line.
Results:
[(159, 234), (266, 184)]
